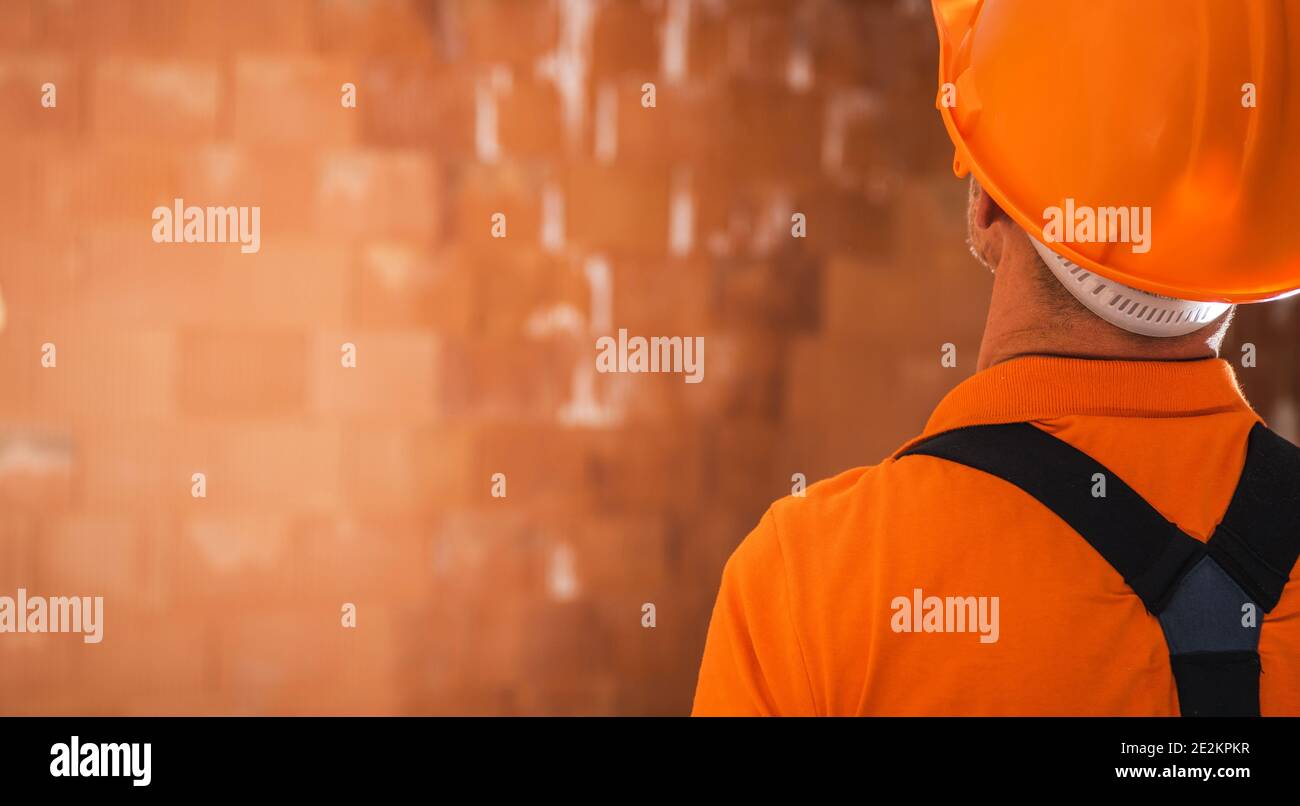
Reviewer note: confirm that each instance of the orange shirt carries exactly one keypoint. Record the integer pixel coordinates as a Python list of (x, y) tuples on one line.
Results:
[(816, 610)]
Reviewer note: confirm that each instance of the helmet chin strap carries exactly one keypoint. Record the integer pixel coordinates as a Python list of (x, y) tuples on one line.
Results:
[(1129, 308)]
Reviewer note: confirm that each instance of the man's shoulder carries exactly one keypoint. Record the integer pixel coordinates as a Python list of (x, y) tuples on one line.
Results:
[(854, 505), (828, 496), (813, 519)]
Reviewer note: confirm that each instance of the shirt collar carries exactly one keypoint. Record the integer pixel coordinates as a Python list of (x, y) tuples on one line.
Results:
[(1043, 387)]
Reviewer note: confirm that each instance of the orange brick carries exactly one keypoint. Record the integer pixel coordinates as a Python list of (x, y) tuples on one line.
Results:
[(515, 287), (847, 221), (743, 376), (118, 183), (509, 189), (663, 480), (127, 278), (246, 26), (762, 42), (683, 126), (23, 174), (749, 443), (531, 120), (470, 546), (239, 549), (623, 209), (19, 544), (148, 26), (853, 286), (709, 42), (662, 297), (380, 27), (153, 664), (20, 357), (417, 103), (36, 470), (242, 374), (22, 113), (281, 179), (377, 560), (625, 558), (565, 638), (91, 555), (19, 22), (409, 472), (212, 559), (840, 55), (261, 473), (626, 41), (37, 277), (782, 293), (403, 285), (372, 194), (773, 131), (541, 464), (125, 469), (103, 375), (298, 100), (503, 31), (157, 100), (502, 379), (394, 377)]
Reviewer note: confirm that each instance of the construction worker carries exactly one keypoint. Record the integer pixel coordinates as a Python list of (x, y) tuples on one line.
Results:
[(1096, 522)]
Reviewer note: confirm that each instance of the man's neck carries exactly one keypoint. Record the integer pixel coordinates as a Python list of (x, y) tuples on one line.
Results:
[(1000, 347), (1021, 322)]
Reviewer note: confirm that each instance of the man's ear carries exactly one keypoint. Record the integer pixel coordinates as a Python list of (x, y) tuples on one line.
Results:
[(986, 212), (985, 226)]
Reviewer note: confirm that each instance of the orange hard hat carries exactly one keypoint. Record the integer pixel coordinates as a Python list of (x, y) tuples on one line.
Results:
[(1187, 109)]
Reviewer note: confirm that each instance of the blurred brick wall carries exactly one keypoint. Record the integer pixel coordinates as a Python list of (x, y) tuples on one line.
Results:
[(372, 485)]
